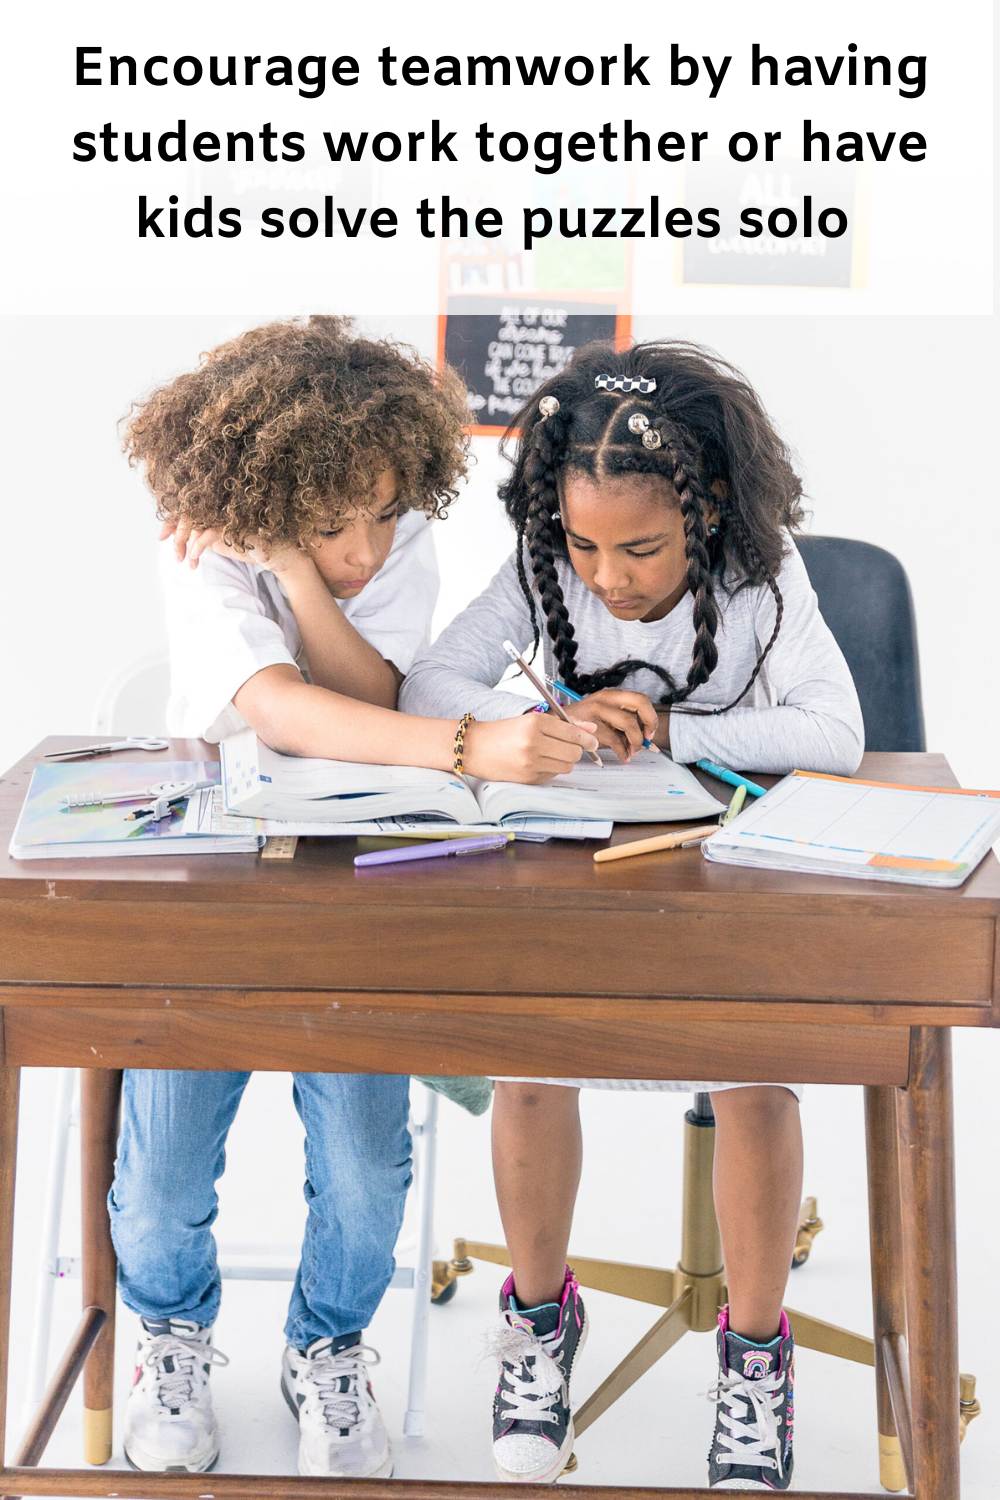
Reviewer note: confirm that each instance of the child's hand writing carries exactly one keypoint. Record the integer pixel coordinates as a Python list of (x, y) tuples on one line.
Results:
[(189, 543), (623, 719), (531, 748)]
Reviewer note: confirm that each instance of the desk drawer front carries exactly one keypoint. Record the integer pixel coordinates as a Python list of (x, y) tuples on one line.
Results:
[(639, 1042), (882, 959)]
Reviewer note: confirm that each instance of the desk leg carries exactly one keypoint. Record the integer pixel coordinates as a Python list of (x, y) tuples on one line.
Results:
[(927, 1181), (10, 1084), (888, 1299), (100, 1090)]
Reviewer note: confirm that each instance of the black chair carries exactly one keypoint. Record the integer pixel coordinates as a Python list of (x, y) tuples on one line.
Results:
[(864, 597)]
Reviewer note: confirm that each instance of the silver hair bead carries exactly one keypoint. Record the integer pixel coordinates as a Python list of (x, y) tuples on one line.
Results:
[(638, 422), (548, 406), (651, 438)]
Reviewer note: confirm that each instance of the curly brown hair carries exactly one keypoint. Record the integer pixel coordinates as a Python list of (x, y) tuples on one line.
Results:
[(285, 429)]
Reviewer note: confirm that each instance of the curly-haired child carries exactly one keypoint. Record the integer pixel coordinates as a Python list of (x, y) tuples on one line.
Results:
[(653, 504), (296, 469)]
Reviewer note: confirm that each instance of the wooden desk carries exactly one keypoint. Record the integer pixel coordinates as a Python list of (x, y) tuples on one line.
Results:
[(668, 967)]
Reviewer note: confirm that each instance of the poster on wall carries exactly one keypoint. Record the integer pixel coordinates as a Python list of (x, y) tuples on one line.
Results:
[(778, 208)]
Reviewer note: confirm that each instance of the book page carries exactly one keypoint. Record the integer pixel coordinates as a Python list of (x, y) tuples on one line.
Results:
[(649, 788), (645, 774)]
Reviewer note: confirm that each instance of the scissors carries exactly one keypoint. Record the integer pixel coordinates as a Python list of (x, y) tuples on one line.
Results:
[(87, 752)]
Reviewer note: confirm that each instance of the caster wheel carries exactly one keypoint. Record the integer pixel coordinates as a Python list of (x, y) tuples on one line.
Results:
[(439, 1298)]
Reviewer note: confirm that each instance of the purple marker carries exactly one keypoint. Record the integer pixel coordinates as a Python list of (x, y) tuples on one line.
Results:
[(438, 850)]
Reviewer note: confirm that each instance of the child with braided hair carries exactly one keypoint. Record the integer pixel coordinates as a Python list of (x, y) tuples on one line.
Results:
[(653, 504)]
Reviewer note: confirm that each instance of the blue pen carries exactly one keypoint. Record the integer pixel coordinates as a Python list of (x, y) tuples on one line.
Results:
[(730, 777), (561, 687)]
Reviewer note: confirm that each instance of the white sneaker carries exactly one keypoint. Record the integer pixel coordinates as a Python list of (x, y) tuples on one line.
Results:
[(341, 1432), (170, 1426)]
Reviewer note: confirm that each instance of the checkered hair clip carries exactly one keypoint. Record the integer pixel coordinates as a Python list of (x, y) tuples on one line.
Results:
[(643, 384)]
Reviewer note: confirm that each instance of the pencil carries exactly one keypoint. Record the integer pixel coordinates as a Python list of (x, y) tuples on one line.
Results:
[(539, 685), (654, 845)]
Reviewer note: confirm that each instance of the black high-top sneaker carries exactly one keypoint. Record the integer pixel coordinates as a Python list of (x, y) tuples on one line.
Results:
[(536, 1348), (754, 1412)]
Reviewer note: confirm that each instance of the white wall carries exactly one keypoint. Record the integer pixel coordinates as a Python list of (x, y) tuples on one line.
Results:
[(890, 419)]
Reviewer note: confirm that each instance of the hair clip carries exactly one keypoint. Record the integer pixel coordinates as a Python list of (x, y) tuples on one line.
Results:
[(548, 406), (644, 384), (651, 438), (638, 422)]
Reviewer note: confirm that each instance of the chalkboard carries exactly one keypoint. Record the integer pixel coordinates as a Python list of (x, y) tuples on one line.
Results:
[(504, 347)]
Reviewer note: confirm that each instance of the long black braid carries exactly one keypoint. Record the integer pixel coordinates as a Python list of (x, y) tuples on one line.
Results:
[(711, 428)]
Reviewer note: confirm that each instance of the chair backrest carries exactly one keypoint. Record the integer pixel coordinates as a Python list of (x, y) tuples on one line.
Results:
[(864, 596), (134, 701)]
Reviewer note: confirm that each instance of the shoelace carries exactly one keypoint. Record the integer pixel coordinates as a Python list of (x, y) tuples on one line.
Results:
[(761, 1398), (340, 1379), (175, 1388), (531, 1380)]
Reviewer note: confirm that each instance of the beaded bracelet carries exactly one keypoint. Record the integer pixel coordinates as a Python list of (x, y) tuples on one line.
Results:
[(458, 762)]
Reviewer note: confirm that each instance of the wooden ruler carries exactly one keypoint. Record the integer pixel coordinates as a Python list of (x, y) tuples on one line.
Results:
[(280, 846)]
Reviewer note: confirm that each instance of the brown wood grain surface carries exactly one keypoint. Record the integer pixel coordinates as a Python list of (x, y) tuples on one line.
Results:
[(531, 919), (407, 1041), (115, 1486)]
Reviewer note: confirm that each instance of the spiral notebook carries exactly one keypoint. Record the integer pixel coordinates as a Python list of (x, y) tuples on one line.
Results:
[(869, 830)]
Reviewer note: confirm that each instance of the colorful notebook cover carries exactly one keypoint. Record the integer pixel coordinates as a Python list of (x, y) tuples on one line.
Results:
[(46, 824)]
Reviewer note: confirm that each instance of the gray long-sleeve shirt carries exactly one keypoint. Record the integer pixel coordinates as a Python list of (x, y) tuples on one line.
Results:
[(802, 712)]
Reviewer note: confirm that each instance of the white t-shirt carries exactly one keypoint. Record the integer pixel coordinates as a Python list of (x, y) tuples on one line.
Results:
[(802, 711), (227, 620)]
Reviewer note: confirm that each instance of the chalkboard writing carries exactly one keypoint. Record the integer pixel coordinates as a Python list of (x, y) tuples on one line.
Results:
[(505, 347)]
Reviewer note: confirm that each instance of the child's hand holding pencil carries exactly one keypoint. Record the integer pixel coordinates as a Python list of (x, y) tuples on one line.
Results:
[(626, 722)]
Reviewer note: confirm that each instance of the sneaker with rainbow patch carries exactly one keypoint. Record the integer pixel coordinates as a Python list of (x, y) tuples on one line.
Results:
[(754, 1411), (536, 1349)]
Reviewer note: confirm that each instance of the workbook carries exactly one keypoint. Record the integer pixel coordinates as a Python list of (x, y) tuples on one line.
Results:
[(871, 830), (261, 783), (48, 828)]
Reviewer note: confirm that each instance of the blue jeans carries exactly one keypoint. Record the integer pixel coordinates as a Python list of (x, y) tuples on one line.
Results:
[(172, 1151)]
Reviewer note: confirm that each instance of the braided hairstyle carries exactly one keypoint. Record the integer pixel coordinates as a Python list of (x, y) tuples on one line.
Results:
[(718, 451)]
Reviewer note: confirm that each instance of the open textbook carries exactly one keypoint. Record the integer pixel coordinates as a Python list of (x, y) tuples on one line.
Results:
[(872, 830), (259, 782)]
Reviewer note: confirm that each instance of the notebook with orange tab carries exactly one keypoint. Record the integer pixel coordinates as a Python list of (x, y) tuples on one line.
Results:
[(870, 830)]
